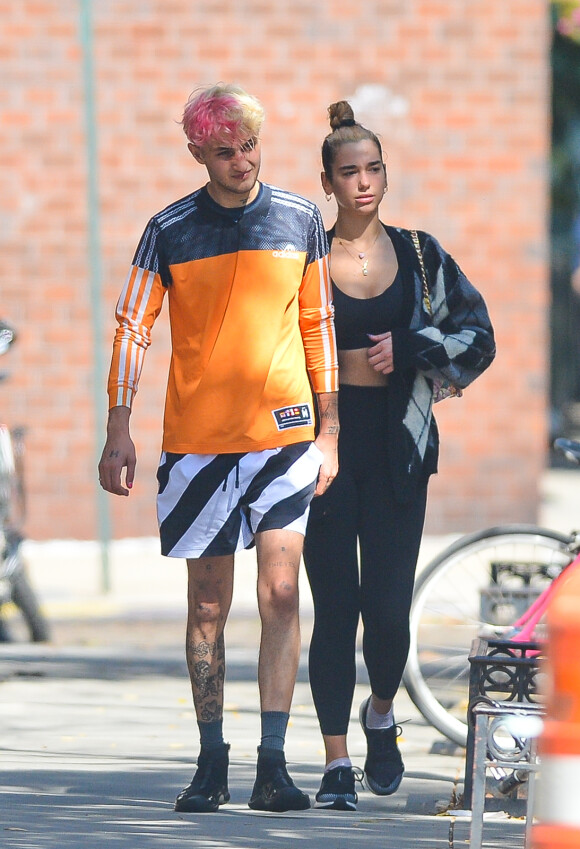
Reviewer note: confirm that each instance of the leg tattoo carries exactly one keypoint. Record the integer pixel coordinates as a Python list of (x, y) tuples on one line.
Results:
[(206, 664)]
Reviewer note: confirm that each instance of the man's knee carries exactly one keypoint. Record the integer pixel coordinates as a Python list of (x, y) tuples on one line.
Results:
[(209, 593), (279, 597), (205, 612)]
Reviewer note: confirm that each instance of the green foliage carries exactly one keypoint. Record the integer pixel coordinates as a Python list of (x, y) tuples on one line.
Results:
[(565, 207), (565, 126), (566, 17)]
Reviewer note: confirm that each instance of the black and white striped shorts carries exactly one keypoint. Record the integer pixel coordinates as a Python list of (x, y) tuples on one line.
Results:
[(214, 504)]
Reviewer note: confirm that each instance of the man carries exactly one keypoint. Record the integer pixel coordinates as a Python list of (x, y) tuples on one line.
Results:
[(245, 269)]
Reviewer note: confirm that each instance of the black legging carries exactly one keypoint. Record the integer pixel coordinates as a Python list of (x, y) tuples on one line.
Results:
[(360, 505)]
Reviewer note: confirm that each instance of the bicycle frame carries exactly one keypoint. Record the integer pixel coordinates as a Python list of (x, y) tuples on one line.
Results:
[(496, 583), (526, 624)]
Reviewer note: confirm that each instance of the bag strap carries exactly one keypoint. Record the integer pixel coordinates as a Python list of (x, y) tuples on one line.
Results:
[(450, 390), (426, 297)]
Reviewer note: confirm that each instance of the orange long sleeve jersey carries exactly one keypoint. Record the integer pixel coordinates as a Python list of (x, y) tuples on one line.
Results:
[(251, 321)]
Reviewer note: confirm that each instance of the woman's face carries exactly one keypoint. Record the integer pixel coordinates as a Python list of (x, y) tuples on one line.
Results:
[(359, 178)]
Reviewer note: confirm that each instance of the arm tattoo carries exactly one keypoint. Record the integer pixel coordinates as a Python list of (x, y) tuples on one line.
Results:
[(328, 411)]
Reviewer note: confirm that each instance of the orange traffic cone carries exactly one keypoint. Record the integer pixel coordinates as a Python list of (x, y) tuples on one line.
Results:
[(558, 806)]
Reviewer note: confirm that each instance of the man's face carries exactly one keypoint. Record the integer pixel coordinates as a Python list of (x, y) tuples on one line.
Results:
[(233, 170)]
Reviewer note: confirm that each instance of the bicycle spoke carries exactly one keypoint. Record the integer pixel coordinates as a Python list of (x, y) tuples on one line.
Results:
[(479, 586)]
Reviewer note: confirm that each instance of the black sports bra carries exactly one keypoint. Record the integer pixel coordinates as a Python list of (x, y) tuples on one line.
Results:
[(354, 318)]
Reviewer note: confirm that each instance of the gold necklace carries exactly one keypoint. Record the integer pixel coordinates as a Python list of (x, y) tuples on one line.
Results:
[(362, 255)]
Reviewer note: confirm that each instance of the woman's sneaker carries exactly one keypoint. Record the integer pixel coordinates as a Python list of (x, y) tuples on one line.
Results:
[(209, 786), (384, 767), (337, 789)]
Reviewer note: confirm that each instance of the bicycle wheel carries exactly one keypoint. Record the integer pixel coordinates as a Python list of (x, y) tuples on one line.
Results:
[(478, 586)]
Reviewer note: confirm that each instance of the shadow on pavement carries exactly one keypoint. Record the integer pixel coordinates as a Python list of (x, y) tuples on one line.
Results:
[(96, 742), (91, 808)]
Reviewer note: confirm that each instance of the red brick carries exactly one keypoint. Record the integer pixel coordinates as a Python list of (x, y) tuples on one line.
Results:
[(466, 162)]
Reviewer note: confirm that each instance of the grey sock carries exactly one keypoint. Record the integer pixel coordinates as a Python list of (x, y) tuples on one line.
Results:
[(377, 720), (274, 724)]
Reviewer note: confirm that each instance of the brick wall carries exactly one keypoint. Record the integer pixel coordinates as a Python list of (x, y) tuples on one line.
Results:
[(459, 93)]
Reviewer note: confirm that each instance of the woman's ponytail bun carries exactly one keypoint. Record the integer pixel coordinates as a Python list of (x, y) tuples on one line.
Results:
[(340, 114), (345, 130)]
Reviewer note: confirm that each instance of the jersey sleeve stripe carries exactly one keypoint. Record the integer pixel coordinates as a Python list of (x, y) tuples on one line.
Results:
[(139, 304), (135, 295), (136, 311), (146, 255), (178, 210), (291, 199), (327, 326)]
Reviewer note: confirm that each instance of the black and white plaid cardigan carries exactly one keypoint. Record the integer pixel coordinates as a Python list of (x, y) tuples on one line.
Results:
[(457, 343)]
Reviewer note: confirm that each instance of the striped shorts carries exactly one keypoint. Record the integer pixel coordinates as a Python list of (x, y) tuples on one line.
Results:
[(214, 504)]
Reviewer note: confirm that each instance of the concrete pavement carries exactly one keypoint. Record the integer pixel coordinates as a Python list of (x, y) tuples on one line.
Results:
[(95, 744), (98, 732)]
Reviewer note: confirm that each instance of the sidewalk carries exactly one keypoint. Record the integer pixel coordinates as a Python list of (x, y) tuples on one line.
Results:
[(96, 744), (97, 739)]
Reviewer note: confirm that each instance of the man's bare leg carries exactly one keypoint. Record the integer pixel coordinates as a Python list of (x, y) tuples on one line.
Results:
[(278, 564), (209, 597), (279, 555)]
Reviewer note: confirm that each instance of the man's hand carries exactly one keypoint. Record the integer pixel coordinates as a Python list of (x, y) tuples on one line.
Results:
[(329, 468), (381, 354), (118, 453), (327, 440)]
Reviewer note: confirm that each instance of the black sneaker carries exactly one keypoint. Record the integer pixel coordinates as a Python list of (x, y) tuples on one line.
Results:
[(274, 790), (384, 765), (337, 789), (209, 786)]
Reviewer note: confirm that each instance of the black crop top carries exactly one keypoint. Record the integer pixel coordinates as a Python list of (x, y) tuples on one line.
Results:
[(355, 317)]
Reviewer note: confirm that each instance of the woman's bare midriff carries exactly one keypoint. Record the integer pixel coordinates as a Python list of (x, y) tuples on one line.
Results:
[(354, 369)]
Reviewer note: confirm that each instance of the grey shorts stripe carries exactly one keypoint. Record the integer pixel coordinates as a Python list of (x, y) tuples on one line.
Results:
[(214, 504)]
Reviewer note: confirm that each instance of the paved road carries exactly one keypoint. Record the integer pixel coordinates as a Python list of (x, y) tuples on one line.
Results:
[(98, 735), (97, 731)]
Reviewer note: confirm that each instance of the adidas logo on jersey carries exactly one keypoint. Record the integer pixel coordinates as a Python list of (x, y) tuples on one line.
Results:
[(288, 252)]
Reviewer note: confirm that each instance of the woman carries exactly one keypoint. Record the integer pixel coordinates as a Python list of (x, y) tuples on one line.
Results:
[(391, 350)]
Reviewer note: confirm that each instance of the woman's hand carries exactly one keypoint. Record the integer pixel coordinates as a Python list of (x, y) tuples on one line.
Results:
[(381, 354)]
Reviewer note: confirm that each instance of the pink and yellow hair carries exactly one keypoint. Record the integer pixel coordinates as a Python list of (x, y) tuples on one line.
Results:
[(224, 113)]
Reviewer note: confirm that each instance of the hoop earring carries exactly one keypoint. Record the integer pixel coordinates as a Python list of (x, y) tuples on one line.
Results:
[(328, 198)]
